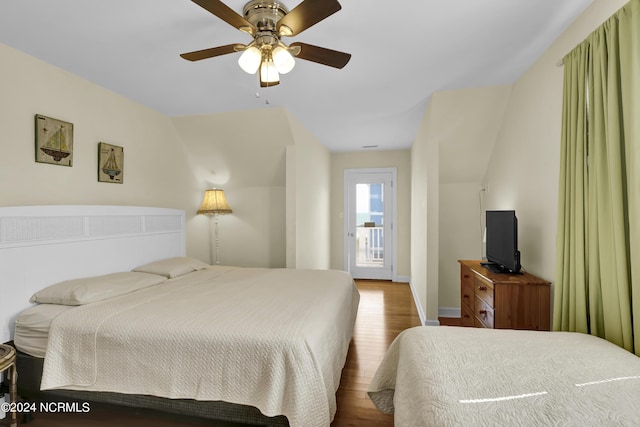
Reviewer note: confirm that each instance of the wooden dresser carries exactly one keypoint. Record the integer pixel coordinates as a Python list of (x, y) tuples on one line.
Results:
[(503, 301)]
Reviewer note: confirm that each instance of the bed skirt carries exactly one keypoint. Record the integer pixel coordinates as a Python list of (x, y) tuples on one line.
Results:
[(30, 374)]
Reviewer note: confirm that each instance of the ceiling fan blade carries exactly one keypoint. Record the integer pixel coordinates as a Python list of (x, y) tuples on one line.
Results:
[(322, 55), (211, 52), (227, 14), (306, 14)]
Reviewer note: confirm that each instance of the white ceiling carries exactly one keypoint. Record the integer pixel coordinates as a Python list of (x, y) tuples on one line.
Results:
[(402, 52)]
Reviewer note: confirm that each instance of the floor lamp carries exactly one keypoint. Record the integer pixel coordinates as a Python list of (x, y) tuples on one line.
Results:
[(214, 203)]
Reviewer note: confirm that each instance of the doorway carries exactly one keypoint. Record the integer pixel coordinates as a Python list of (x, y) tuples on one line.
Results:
[(370, 208)]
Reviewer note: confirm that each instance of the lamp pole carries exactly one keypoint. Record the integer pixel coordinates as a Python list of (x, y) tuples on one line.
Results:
[(214, 203), (213, 232), (215, 221), (210, 239)]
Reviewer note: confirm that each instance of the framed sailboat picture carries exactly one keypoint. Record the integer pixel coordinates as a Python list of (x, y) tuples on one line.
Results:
[(110, 163), (54, 141)]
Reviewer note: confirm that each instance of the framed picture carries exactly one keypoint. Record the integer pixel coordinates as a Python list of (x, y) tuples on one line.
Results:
[(110, 163), (54, 141)]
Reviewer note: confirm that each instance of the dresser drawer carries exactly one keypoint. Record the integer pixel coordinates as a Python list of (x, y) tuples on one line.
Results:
[(466, 277), (484, 290), (468, 294), (483, 313), (467, 316)]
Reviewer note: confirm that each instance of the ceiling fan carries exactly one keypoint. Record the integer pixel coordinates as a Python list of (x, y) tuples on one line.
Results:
[(267, 21)]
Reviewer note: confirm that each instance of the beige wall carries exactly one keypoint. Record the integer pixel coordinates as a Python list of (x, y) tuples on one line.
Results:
[(424, 217), (276, 177), (157, 171), (524, 167), (460, 238), (244, 153), (308, 201), (448, 161), (401, 160), (465, 125)]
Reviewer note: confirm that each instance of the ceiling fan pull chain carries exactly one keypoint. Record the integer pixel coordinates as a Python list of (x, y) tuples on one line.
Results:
[(267, 101)]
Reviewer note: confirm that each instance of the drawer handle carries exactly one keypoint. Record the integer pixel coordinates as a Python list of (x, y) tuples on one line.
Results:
[(466, 276), (465, 296), (483, 313), (482, 288)]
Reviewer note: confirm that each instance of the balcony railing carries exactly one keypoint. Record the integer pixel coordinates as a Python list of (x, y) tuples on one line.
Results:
[(369, 246)]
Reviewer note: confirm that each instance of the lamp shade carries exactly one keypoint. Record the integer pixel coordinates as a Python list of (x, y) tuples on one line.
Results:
[(283, 60), (268, 73), (214, 202), (250, 60)]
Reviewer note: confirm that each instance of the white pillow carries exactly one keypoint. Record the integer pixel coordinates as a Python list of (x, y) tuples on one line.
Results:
[(173, 267), (91, 289)]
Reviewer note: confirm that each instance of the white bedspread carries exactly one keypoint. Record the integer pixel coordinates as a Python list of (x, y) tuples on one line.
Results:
[(450, 376), (275, 339)]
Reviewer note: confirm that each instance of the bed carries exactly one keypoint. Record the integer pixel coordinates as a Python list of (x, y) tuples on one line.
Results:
[(250, 345), (446, 376)]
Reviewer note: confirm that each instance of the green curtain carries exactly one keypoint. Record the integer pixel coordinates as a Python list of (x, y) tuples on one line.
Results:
[(597, 287)]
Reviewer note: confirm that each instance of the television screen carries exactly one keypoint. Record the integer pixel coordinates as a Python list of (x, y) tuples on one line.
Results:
[(502, 241)]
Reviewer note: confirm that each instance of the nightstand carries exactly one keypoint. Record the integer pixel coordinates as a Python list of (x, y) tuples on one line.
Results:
[(8, 365)]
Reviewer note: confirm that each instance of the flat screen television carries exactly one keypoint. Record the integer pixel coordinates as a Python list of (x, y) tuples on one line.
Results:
[(502, 242)]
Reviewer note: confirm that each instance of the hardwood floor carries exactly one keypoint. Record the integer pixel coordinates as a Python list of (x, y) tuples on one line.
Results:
[(385, 310)]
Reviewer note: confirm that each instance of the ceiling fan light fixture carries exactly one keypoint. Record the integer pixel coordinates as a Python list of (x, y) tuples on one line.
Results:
[(250, 60), (268, 73), (283, 60)]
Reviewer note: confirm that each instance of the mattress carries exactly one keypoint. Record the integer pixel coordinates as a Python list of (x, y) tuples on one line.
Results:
[(32, 328), (275, 339), (444, 376)]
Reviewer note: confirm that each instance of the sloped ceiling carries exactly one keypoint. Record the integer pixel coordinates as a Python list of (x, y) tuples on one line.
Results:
[(218, 145), (466, 125), (403, 51)]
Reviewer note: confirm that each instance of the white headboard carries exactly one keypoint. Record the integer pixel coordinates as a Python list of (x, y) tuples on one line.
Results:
[(42, 245)]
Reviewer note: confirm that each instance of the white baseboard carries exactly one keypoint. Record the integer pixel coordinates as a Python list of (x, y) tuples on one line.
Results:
[(449, 312), (452, 312), (403, 279), (421, 314)]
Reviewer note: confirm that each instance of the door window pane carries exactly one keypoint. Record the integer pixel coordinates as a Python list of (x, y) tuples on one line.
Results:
[(369, 225)]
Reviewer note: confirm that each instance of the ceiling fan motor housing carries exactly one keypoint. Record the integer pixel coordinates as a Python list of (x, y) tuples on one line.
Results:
[(264, 14)]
